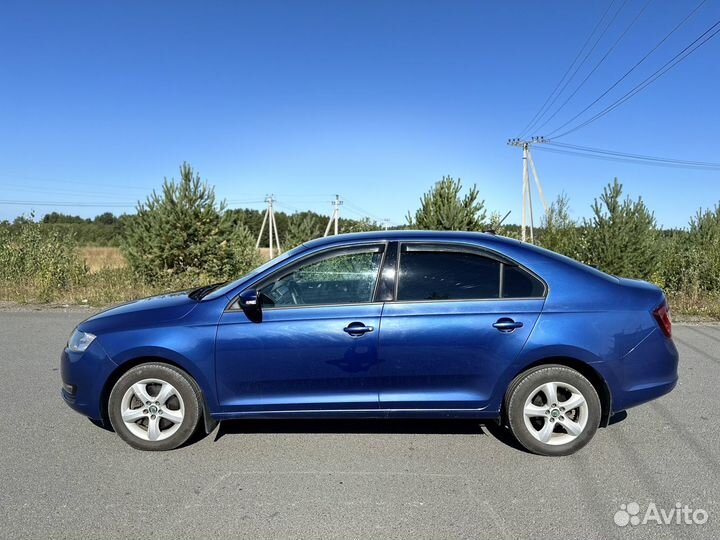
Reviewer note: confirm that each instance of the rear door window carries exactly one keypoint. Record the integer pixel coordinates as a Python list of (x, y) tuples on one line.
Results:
[(428, 273)]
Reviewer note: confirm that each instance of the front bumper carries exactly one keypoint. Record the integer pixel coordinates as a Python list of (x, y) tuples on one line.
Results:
[(84, 376)]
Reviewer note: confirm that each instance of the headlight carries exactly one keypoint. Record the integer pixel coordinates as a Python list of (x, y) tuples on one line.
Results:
[(79, 341)]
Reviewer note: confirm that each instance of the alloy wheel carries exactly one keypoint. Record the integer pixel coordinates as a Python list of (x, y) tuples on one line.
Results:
[(152, 409), (555, 413)]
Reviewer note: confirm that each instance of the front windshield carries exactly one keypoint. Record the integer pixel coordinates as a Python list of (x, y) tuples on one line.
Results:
[(272, 262)]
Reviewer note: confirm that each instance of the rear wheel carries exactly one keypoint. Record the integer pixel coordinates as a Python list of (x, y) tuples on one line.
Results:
[(553, 410), (154, 407)]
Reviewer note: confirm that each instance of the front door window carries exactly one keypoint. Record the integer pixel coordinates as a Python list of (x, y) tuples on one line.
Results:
[(348, 277)]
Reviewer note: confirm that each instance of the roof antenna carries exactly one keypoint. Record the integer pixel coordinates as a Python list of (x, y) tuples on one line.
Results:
[(492, 231)]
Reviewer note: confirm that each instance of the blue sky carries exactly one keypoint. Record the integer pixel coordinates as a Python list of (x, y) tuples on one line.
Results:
[(372, 100)]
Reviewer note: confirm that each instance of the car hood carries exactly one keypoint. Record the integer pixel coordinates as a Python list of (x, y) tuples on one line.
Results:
[(153, 310)]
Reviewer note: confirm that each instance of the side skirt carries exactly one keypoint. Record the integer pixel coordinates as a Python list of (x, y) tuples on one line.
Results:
[(363, 413)]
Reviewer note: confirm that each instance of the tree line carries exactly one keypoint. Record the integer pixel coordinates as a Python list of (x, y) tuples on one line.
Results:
[(182, 235), (108, 230)]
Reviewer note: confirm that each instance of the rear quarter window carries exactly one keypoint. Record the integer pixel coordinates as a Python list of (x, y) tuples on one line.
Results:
[(518, 283)]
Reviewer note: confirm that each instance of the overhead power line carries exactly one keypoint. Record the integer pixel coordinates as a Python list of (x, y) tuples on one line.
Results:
[(34, 191), (113, 204), (543, 110), (633, 68), (254, 201), (597, 65), (701, 40), (362, 212), (638, 156), (625, 157)]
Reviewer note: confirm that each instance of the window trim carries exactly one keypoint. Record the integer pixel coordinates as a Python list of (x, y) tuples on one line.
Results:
[(390, 262), (317, 256), (474, 249)]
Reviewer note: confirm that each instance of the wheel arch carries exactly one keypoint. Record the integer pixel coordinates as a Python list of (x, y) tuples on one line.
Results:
[(586, 370), (208, 422)]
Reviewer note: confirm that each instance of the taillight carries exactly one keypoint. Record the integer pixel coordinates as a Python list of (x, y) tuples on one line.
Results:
[(662, 316)]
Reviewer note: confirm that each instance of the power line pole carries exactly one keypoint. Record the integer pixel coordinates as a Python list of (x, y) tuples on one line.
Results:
[(269, 218), (335, 217), (528, 166)]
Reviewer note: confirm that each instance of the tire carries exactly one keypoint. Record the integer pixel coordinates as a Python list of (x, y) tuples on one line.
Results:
[(561, 425), (168, 413)]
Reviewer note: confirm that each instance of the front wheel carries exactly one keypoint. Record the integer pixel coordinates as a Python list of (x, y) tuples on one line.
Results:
[(154, 407), (553, 410)]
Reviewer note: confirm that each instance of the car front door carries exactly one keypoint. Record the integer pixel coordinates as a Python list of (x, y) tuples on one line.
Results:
[(460, 317), (316, 344)]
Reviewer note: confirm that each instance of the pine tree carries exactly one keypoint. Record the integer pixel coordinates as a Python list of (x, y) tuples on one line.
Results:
[(559, 231), (301, 227), (621, 236), (443, 209), (182, 231), (701, 252)]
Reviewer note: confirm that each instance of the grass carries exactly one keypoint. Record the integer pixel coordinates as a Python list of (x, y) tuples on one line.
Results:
[(103, 287), (694, 306), (98, 258), (108, 281)]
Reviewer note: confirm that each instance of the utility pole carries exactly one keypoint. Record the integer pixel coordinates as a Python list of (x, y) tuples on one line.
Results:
[(528, 166), (269, 218), (335, 217)]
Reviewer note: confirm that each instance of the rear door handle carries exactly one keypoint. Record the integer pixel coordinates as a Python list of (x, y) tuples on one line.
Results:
[(506, 324), (356, 329)]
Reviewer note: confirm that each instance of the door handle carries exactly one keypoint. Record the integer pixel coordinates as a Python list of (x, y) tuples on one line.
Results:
[(356, 329), (506, 324)]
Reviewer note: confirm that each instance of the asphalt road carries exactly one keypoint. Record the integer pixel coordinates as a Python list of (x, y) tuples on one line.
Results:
[(62, 477)]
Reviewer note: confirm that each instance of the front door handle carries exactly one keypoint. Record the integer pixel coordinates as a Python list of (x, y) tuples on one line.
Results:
[(356, 329), (506, 324)]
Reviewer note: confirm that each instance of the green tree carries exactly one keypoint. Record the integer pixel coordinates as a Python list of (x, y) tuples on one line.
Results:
[(443, 209), (704, 242), (559, 231), (182, 231), (691, 258), (58, 217), (106, 218), (301, 227), (358, 225), (621, 236)]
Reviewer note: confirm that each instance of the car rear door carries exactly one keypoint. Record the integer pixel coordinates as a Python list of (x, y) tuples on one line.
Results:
[(460, 316)]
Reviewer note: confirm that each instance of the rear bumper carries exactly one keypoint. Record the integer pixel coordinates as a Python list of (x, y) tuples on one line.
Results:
[(83, 377), (647, 372)]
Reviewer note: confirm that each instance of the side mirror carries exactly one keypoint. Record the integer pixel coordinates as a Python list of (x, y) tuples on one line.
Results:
[(249, 301)]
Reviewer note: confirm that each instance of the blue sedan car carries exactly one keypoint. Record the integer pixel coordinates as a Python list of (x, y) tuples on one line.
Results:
[(377, 325)]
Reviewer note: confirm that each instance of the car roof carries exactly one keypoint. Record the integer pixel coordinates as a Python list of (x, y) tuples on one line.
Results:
[(433, 236)]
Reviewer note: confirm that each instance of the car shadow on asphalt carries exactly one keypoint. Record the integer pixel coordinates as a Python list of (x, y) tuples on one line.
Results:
[(369, 426)]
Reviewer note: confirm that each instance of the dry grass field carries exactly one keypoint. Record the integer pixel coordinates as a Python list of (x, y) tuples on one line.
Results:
[(97, 258), (265, 253)]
